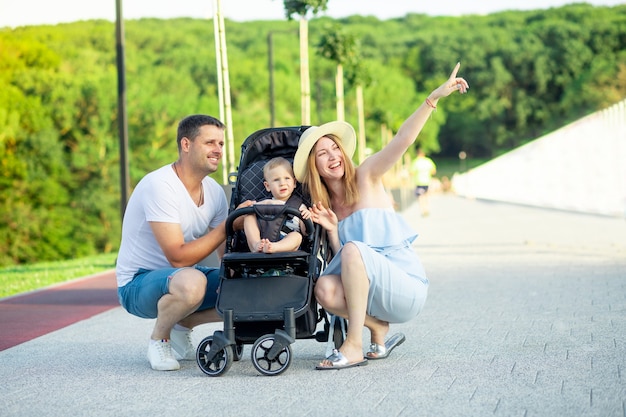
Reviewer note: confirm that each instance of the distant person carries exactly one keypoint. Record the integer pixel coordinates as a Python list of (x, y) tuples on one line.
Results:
[(278, 179), (174, 219), (424, 169)]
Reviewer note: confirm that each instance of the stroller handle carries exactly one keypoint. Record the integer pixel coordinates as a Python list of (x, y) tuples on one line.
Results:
[(268, 212)]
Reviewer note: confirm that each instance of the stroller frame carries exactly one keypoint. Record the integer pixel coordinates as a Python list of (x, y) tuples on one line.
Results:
[(265, 299)]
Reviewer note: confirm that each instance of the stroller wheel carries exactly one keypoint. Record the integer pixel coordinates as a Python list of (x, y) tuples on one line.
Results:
[(267, 362), (213, 364), (238, 352)]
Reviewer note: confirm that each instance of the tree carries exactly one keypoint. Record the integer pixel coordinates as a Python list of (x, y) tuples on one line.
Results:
[(224, 76), (342, 48), (301, 8), (358, 75)]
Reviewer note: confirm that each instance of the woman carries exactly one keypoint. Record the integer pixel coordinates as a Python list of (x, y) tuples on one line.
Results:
[(375, 277)]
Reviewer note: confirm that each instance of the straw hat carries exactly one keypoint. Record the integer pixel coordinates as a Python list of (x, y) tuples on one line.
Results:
[(344, 131)]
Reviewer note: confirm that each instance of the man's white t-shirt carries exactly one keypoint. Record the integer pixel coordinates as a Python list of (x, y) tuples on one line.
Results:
[(161, 197)]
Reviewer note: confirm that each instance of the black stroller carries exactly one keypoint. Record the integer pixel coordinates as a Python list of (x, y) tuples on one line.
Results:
[(265, 299)]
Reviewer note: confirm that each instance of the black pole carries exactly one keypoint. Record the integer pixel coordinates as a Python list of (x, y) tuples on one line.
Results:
[(121, 108), (270, 69)]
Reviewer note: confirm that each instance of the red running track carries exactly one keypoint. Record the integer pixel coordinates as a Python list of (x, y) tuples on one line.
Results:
[(27, 316)]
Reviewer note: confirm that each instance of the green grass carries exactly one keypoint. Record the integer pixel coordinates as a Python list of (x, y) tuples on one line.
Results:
[(24, 278)]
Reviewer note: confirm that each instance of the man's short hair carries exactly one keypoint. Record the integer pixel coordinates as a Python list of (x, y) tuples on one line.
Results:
[(190, 126)]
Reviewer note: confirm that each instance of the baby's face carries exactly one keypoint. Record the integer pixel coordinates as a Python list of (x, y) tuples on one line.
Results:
[(280, 182)]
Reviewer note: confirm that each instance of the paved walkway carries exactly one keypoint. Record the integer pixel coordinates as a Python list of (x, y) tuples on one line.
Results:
[(526, 317), (30, 315)]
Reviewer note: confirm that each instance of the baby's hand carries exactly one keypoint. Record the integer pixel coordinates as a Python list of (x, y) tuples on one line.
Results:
[(246, 203), (304, 212)]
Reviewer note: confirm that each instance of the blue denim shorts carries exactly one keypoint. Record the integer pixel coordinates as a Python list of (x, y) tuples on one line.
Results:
[(141, 295)]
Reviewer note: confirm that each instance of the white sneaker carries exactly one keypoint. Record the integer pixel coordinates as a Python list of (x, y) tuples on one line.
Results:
[(161, 357), (182, 345)]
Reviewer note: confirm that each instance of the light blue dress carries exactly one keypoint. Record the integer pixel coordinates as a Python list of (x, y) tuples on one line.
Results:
[(398, 283)]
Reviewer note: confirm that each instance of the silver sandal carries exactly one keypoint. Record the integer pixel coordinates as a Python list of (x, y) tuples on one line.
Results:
[(383, 352)]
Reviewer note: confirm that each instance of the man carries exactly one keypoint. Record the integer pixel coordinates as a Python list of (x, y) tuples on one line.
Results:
[(174, 219), (424, 169)]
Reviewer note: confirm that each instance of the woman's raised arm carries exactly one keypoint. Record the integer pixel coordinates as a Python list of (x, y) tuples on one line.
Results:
[(382, 161)]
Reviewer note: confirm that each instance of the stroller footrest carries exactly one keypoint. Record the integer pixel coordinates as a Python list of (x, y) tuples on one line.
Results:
[(264, 298), (236, 257)]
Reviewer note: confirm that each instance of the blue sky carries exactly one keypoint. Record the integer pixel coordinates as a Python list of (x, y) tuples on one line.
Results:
[(35, 12)]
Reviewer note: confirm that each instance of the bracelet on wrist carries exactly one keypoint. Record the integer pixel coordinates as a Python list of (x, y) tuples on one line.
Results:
[(430, 104)]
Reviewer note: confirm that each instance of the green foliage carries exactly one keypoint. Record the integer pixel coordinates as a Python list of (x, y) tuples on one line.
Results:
[(338, 45), (529, 73), (302, 7)]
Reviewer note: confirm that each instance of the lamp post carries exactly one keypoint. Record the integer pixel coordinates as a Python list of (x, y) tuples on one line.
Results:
[(121, 108), (270, 70)]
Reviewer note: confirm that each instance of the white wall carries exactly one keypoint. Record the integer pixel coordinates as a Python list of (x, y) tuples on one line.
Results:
[(580, 167)]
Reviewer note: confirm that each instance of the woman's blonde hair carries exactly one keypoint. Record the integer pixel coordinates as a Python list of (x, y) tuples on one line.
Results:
[(315, 186)]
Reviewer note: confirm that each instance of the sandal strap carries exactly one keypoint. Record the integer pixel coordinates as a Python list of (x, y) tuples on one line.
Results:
[(377, 349)]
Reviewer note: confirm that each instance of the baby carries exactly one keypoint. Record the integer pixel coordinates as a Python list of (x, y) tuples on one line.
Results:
[(278, 179)]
